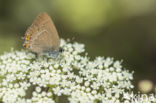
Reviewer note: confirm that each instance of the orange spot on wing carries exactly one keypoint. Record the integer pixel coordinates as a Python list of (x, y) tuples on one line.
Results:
[(27, 45), (28, 37)]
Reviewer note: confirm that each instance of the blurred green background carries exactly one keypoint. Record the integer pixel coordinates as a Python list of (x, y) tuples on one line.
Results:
[(123, 29)]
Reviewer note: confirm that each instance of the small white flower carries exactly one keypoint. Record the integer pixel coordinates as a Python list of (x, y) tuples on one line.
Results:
[(87, 83), (49, 94), (57, 91), (16, 85), (79, 80), (78, 47), (38, 89)]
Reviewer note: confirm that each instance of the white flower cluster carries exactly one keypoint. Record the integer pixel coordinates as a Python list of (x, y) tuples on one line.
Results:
[(27, 79)]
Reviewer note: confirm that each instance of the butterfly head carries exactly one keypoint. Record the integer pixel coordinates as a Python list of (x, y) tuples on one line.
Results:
[(55, 53), (61, 50)]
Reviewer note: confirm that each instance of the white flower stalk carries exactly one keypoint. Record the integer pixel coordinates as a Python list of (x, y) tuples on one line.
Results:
[(27, 79)]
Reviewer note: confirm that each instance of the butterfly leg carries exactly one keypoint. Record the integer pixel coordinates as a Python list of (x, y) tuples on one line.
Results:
[(37, 55)]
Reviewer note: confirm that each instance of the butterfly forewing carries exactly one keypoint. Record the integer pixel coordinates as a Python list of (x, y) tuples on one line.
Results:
[(42, 35)]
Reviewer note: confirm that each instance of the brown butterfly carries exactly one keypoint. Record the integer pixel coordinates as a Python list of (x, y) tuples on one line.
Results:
[(42, 36)]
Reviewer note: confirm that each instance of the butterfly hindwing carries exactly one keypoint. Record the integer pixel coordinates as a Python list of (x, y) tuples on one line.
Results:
[(42, 35)]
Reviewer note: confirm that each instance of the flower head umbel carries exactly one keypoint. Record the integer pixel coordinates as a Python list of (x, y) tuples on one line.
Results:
[(27, 79)]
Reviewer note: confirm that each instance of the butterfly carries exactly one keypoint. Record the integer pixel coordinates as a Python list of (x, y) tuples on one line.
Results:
[(42, 37)]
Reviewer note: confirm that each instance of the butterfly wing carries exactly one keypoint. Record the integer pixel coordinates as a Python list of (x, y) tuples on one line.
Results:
[(42, 35)]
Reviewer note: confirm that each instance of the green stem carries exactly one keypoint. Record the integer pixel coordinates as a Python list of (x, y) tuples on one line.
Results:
[(57, 99)]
